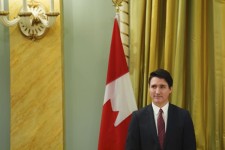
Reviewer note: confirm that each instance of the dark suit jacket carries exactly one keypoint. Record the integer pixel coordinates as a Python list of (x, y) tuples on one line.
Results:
[(142, 134)]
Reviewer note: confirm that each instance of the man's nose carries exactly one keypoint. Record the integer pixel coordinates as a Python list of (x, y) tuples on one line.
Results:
[(157, 90)]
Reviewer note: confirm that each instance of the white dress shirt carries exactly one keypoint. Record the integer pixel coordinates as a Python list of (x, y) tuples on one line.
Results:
[(156, 114)]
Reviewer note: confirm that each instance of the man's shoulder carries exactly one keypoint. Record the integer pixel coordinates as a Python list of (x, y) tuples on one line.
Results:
[(177, 109), (143, 110)]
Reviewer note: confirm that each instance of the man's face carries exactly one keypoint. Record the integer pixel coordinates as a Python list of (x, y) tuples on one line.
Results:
[(159, 91)]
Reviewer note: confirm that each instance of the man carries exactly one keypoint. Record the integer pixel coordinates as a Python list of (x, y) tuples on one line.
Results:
[(161, 125)]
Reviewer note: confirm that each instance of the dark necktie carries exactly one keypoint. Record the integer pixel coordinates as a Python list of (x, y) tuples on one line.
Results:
[(161, 128)]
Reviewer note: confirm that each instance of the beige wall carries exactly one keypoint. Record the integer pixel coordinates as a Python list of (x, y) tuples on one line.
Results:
[(36, 88)]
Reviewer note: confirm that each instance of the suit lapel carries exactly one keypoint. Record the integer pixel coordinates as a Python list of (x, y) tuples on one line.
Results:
[(152, 123), (170, 121)]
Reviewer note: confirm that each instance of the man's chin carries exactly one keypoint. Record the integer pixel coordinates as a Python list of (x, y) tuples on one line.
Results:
[(158, 102)]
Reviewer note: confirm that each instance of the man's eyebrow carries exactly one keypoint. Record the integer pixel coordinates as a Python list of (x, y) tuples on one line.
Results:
[(158, 85)]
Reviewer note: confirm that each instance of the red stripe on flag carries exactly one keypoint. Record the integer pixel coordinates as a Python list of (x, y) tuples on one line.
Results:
[(117, 65)]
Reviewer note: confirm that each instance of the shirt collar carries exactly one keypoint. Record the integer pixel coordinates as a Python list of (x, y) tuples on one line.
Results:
[(156, 108)]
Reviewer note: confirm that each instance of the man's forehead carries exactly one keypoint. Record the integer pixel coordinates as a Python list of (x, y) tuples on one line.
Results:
[(158, 81)]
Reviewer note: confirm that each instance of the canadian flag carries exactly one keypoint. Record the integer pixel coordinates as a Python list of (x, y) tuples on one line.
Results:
[(119, 101)]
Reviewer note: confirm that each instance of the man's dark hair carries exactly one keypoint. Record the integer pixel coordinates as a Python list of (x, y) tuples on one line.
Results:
[(163, 74)]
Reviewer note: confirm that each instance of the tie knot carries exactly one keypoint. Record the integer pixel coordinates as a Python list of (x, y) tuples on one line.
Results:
[(160, 111)]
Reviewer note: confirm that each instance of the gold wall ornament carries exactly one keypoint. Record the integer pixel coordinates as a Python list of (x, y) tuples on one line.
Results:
[(32, 19), (117, 4)]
